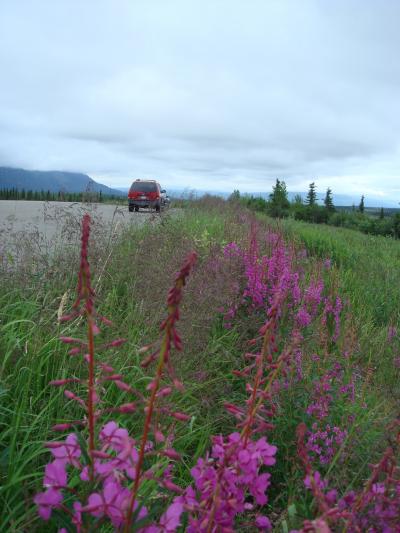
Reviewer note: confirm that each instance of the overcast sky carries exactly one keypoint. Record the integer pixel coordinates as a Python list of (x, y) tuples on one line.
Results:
[(210, 94)]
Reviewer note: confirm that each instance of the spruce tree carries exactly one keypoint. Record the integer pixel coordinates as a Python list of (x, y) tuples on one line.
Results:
[(278, 200), (361, 206), (235, 196), (381, 214), (328, 201), (311, 195)]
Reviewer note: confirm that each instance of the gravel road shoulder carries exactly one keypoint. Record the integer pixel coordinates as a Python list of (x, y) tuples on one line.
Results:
[(31, 227), (49, 218)]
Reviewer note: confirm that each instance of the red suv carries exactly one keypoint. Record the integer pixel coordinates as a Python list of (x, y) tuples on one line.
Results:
[(144, 193)]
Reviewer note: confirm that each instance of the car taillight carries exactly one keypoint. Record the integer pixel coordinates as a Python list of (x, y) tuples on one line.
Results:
[(134, 194)]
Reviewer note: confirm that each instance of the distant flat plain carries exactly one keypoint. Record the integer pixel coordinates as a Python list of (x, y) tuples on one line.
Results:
[(52, 220)]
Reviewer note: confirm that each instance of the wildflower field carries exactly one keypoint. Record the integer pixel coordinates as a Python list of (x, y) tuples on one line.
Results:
[(216, 372)]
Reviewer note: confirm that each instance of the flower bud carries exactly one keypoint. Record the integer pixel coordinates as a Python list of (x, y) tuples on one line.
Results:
[(181, 416)]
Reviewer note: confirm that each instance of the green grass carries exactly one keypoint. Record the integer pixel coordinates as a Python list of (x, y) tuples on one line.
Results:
[(132, 284), (369, 266)]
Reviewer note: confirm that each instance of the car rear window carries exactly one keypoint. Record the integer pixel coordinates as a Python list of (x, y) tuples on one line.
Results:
[(143, 186)]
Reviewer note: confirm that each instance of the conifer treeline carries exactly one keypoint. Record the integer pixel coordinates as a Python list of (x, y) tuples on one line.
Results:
[(60, 196), (279, 206)]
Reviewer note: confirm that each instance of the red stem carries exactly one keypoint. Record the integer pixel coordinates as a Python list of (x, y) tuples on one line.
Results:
[(253, 406), (143, 442), (91, 395), (164, 351)]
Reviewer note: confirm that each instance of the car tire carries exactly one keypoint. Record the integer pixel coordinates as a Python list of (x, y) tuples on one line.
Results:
[(130, 209), (158, 208), (136, 208)]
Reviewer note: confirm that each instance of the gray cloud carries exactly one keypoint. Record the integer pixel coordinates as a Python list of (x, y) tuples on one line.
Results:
[(204, 94)]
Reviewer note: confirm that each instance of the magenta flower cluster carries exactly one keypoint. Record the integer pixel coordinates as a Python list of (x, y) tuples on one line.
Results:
[(225, 481), (114, 464), (272, 271), (375, 509)]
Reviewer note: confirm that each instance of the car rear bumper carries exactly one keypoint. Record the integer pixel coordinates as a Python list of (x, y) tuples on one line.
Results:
[(143, 203)]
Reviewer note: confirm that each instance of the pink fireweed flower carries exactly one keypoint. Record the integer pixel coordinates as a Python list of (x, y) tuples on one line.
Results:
[(313, 295), (55, 474), (47, 501), (263, 523), (77, 516), (232, 249), (116, 438), (334, 310), (303, 317), (112, 502), (68, 451), (171, 519), (315, 480)]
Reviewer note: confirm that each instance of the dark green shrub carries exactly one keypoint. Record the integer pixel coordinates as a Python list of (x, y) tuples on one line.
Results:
[(311, 213)]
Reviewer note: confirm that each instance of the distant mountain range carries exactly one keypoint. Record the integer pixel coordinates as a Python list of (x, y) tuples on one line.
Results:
[(52, 180)]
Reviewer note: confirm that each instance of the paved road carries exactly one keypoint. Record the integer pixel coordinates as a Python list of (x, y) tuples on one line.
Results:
[(59, 222)]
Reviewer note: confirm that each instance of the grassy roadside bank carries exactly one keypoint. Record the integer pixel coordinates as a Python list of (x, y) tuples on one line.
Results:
[(369, 269), (131, 281)]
